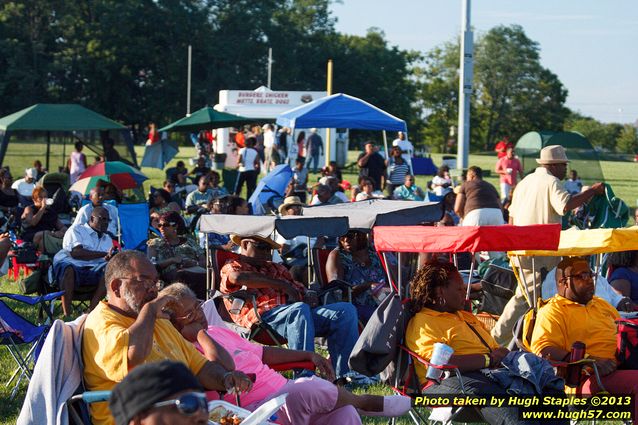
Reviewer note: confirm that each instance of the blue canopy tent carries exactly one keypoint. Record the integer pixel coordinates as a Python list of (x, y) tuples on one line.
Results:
[(342, 111)]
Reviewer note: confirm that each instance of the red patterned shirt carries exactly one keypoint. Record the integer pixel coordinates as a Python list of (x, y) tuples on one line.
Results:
[(267, 298)]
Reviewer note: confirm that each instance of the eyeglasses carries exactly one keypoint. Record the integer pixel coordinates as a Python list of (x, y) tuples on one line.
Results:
[(143, 283), (582, 276), (191, 314), (188, 404), (100, 218), (160, 225)]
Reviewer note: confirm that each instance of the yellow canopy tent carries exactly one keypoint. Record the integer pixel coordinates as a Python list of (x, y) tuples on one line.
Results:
[(574, 242)]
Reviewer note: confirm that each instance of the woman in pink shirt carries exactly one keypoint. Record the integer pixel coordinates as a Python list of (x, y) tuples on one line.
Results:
[(310, 400)]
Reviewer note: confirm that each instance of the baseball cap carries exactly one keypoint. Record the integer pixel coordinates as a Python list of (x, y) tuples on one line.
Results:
[(148, 384)]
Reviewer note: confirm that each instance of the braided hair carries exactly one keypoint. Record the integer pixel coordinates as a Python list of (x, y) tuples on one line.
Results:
[(432, 275)]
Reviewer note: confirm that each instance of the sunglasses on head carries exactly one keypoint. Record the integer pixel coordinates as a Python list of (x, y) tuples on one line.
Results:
[(187, 404)]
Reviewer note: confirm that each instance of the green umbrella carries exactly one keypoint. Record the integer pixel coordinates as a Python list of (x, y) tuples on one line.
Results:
[(206, 119)]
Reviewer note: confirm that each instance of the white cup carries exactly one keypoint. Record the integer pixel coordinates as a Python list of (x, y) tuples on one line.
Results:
[(236, 306), (440, 356)]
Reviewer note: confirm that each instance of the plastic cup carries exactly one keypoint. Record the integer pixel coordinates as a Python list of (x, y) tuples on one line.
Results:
[(440, 356), (236, 306)]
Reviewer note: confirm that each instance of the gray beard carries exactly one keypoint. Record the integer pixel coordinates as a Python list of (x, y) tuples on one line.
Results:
[(129, 299)]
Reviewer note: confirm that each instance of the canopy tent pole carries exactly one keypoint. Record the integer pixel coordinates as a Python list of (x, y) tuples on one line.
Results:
[(387, 270), (311, 265), (63, 151), (329, 90), (188, 81), (208, 268), (400, 274), (400, 352), (5, 135), (387, 153), (469, 278), (534, 283), (48, 148), (597, 268), (523, 282)]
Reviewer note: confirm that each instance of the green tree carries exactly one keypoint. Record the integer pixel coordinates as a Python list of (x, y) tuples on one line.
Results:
[(26, 41), (438, 82), (627, 141), (600, 135), (514, 93)]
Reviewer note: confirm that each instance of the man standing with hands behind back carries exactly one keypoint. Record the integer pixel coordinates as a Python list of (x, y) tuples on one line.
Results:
[(539, 198)]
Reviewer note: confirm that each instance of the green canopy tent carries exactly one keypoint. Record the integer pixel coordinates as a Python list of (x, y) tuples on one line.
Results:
[(207, 118), (582, 155), (48, 118)]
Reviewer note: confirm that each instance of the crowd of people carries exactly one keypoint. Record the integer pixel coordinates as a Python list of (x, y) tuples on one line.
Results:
[(147, 308)]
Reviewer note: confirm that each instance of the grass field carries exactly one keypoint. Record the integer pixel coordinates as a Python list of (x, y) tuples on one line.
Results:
[(621, 175)]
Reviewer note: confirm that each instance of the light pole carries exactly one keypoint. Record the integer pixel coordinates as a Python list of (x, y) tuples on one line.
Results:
[(465, 87)]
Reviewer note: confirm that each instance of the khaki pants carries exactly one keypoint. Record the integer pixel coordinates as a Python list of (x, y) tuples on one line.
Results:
[(517, 305)]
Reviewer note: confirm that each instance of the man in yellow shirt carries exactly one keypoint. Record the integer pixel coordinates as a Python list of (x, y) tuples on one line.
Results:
[(129, 330), (575, 314)]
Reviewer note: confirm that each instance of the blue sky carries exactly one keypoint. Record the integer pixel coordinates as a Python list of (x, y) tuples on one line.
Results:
[(592, 45)]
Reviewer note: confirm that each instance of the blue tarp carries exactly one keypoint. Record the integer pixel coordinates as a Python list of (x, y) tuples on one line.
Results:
[(341, 111), (423, 167)]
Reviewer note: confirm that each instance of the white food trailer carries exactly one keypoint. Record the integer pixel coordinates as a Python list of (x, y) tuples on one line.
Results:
[(264, 105)]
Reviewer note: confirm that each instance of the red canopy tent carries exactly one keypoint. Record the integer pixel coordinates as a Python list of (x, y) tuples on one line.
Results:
[(466, 238), (463, 239)]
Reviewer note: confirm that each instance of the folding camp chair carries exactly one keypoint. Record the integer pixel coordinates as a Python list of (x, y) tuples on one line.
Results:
[(16, 332), (453, 240), (260, 332), (134, 225), (523, 340), (23, 257), (78, 406)]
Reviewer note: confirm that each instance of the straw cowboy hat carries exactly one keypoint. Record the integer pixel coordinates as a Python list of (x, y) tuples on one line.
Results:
[(553, 154), (289, 202), (238, 238)]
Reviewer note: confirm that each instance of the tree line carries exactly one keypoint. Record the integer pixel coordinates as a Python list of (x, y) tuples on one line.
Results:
[(127, 59)]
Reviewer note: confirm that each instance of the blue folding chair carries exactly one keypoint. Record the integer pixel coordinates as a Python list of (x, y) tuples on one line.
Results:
[(16, 331), (134, 225)]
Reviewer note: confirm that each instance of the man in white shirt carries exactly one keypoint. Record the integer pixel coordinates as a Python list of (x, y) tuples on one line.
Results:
[(97, 200), (25, 185), (407, 148), (86, 250)]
